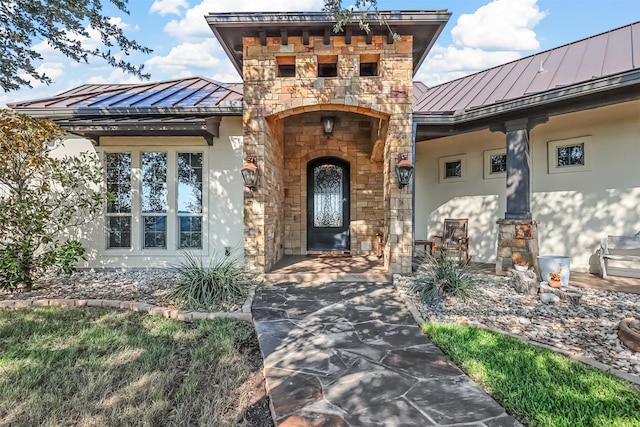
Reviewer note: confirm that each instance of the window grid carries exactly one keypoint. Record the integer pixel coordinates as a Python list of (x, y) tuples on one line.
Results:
[(190, 170), (498, 163), (570, 155), (118, 212), (154, 199), (453, 169)]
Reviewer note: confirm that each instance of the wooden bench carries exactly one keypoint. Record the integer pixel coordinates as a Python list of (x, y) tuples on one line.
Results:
[(619, 244)]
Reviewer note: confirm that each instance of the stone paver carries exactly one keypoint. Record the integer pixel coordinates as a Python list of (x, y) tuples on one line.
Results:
[(350, 354)]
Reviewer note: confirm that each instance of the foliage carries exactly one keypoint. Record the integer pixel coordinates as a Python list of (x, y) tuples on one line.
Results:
[(72, 367), (363, 10), (41, 197), (220, 285), (63, 24), (442, 277), (540, 387)]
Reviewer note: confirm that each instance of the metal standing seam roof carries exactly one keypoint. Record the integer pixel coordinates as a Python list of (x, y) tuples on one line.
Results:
[(607, 54), (184, 95)]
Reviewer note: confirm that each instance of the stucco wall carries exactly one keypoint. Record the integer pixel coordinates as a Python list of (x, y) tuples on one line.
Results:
[(575, 208), (222, 198)]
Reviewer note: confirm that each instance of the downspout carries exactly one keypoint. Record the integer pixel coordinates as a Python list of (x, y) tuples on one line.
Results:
[(413, 187)]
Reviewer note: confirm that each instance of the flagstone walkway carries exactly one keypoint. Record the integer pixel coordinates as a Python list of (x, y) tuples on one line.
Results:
[(351, 354)]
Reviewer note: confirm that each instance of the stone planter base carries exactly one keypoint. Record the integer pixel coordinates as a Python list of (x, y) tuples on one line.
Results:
[(628, 336)]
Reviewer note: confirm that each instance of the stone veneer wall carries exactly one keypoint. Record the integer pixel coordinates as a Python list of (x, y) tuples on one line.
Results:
[(351, 141), (516, 237), (269, 97)]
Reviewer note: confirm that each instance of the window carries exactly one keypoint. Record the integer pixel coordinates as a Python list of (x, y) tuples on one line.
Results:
[(158, 199), (118, 180), (286, 66), (327, 65), (495, 163), (452, 168), (369, 65), (569, 155), (190, 200), (154, 199)]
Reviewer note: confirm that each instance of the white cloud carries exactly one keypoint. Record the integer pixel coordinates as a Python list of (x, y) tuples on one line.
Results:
[(194, 25), (496, 33), (500, 25), (187, 59), (166, 7), (449, 63), (116, 76)]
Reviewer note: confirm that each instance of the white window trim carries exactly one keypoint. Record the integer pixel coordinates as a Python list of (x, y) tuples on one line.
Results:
[(137, 227), (462, 158), (552, 155), (487, 163)]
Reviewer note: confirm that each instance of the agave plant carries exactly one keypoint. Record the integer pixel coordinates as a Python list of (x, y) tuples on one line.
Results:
[(442, 277), (217, 286)]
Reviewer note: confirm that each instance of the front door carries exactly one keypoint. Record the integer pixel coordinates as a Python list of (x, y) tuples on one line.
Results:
[(328, 205)]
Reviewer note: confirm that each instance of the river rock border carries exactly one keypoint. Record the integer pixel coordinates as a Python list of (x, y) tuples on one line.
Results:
[(401, 292), (186, 316)]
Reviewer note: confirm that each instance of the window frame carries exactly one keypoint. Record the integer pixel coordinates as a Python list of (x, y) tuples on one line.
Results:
[(442, 162), (108, 215), (144, 214), (200, 215), (552, 154), (137, 222), (488, 154)]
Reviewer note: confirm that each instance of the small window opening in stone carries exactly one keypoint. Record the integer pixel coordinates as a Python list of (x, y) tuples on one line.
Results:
[(327, 65), (369, 65), (286, 66)]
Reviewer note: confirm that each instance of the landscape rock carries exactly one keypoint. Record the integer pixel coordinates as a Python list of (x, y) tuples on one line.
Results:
[(570, 293), (548, 298), (589, 329), (525, 282)]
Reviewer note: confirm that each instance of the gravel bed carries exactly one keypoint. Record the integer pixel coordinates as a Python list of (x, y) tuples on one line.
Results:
[(588, 329), (149, 285)]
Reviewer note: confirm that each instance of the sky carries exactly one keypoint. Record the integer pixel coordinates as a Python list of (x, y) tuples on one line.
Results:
[(480, 34)]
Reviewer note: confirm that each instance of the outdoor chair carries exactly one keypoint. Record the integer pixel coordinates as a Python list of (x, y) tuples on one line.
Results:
[(454, 240)]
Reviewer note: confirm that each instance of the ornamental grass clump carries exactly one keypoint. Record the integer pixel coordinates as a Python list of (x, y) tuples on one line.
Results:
[(443, 277), (218, 286)]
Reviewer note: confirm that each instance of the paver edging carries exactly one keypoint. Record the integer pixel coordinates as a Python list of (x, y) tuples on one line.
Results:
[(142, 307), (573, 356)]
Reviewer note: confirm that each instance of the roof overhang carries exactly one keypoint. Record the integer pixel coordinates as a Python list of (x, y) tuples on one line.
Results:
[(593, 94), (95, 127), (230, 28)]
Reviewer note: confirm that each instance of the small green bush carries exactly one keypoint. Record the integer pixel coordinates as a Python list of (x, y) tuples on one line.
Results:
[(443, 277), (220, 285)]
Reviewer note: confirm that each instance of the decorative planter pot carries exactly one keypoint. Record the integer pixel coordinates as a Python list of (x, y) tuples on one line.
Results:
[(521, 267), (555, 283), (552, 264)]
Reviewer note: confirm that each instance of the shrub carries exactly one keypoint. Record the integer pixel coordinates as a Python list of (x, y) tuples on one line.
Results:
[(442, 277), (220, 285), (44, 197)]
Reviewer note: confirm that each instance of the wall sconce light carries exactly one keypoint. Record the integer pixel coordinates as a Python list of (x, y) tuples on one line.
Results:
[(404, 170), (250, 173), (327, 124)]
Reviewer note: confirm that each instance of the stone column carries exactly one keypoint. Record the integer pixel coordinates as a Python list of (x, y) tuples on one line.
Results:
[(518, 232)]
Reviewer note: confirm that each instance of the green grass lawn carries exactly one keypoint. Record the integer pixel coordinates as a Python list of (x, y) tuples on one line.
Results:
[(538, 386), (95, 367)]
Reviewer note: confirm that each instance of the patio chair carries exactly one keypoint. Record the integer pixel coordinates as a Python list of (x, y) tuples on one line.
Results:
[(454, 240)]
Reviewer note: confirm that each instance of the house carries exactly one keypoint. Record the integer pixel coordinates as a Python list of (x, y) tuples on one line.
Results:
[(541, 154)]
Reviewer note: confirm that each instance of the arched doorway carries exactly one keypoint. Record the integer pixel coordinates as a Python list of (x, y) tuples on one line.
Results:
[(328, 205)]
